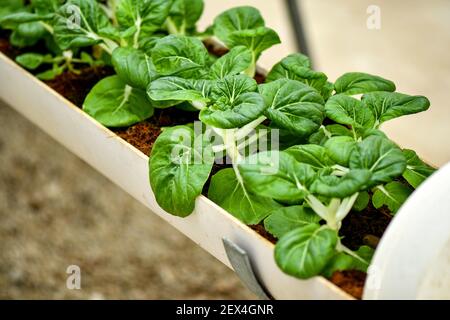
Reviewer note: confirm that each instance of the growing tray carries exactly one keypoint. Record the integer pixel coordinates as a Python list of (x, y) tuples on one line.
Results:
[(127, 167)]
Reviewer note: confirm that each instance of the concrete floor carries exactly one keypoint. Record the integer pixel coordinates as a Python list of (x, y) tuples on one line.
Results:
[(56, 211)]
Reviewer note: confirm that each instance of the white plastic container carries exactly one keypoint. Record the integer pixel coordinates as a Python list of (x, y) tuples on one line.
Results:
[(412, 260)]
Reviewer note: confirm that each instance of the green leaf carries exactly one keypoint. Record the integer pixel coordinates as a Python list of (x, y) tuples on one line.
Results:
[(245, 26), (177, 89), (42, 7), (234, 62), (283, 69), (314, 155), (381, 156), (341, 187), (180, 164), (80, 23), (298, 67), (235, 103), (50, 74), (326, 132), (8, 7), (52, 46), (183, 15), (361, 201), (13, 20), (342, 261), (236, 19), (347, 110), (277, 175), (416, 170), (141, 18), (27, 34), (304, 252), (113, 103), (293, 106), (283, 220), (339, 148), (327, 90), (358, 82), (175, 54), (134, 67), (15, 12), (392, 195), (147, 44), (389, 105), (285, 139), (86, 57), (363, 133), (314, 79), (227, 192), (257, 40), (30, 60)]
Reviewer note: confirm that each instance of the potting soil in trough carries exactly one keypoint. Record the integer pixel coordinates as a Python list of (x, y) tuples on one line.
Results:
[(75, 87), (359, 228), (142, 135)]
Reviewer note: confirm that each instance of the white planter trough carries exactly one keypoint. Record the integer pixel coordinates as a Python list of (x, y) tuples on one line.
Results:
[(209, 224)]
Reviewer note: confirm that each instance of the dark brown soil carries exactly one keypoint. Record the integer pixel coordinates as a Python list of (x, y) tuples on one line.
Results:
[(360, 228), (172, 117), (214, 48), (260, 78), (141, 136), (7, 49), (259, 228), (351, 281), (75, 87)]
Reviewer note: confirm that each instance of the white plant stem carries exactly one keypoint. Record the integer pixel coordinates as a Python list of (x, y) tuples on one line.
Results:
[(198, 104), (251, 70), (108, 45), (335, 211), (325, 131), (252, 139), (47, 27), (346, 206), (341, 248), (249, 127), (340, 170)]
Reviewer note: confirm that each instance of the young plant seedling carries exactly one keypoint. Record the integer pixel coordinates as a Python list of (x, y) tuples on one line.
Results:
[(245, 26), (59, 63)]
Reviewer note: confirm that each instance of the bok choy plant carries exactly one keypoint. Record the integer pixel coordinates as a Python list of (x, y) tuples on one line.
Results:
[(245, 26)]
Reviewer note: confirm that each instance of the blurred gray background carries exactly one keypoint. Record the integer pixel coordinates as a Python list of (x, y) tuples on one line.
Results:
[(56, 211)]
